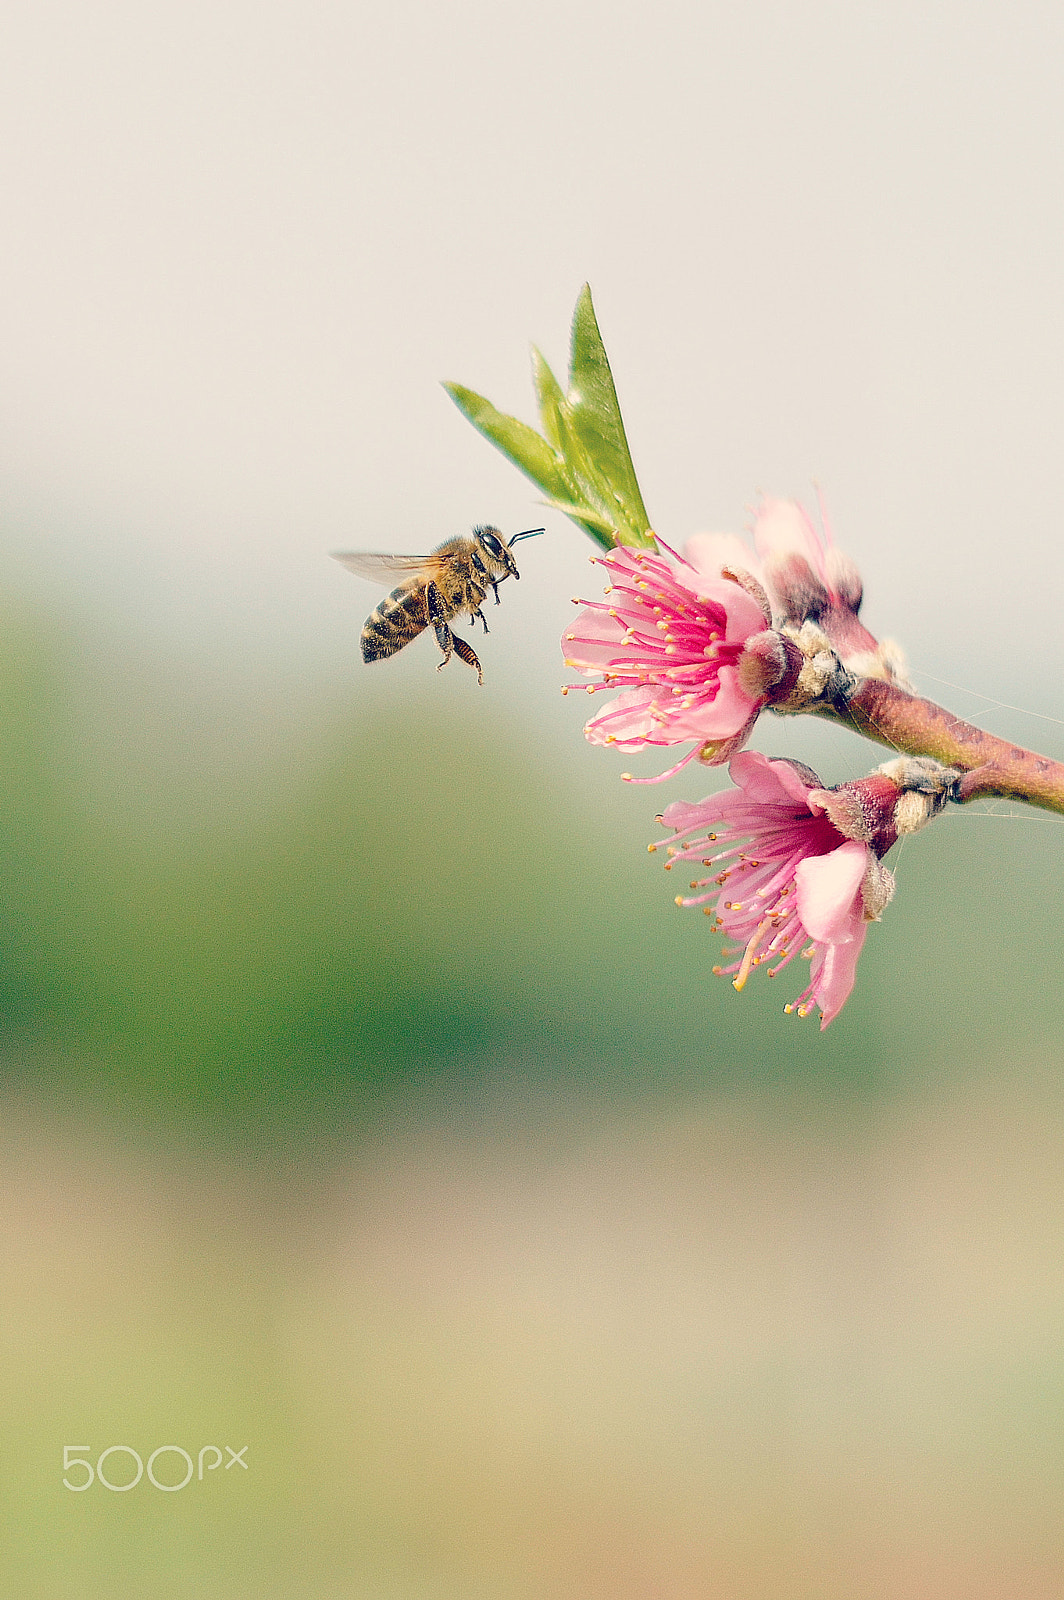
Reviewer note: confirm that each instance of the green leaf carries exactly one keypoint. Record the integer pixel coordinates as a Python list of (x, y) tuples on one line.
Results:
[(551, 400), (582, 461), (515, 439), (600, 528), (596, 414)]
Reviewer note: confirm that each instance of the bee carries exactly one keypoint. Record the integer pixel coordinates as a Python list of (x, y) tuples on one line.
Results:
[(434, 589)]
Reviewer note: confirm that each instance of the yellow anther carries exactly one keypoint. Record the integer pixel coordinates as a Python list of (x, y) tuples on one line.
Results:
[(749, 960)]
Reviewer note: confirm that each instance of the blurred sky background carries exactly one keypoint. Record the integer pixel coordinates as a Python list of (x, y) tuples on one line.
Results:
[(366, 1100)]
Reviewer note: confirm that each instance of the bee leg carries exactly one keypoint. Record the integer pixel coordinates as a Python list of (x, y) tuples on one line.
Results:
[(467, 654), (446, 641), (478, 614), (495, 591), (438, 617)]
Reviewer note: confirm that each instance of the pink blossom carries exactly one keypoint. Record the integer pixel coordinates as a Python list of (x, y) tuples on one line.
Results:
[(670, 634), (787, 874), (803, 573)]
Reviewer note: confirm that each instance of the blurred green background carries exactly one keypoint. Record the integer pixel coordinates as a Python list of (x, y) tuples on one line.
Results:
[(372, 1105), (366, 1100)]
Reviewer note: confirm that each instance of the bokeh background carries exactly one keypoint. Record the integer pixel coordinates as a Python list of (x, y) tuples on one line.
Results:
[(366, 1100)]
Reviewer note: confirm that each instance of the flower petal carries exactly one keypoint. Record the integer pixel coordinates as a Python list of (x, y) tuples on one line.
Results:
[(709, 552), (627, 721), (828, 887), (781, 526), (769, 782), (833, 978)]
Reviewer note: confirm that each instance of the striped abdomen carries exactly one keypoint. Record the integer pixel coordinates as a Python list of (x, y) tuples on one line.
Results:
[(400, 617)]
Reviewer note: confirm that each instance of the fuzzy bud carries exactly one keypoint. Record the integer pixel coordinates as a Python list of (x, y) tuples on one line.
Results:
[(864, 810), (926, 785), (900, 797), (769, 666), (821, 675), (877, 889)]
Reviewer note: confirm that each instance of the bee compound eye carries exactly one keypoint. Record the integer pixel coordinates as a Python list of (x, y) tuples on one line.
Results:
[(491, 543)]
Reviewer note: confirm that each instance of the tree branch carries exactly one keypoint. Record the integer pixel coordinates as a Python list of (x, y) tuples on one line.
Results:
[(992, 767)]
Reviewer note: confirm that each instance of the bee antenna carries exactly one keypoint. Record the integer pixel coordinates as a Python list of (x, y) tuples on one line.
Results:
[(529, 533)]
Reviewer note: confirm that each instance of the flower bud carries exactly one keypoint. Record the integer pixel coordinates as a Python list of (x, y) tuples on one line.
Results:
[(769, 666)]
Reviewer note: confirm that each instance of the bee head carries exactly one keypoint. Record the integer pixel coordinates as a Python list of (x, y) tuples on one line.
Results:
[(497, 549)]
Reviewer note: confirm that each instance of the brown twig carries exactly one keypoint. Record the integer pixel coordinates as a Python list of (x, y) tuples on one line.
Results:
[(906, 722)]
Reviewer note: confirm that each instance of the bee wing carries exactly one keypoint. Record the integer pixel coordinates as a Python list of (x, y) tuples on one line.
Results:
[(368, 564)]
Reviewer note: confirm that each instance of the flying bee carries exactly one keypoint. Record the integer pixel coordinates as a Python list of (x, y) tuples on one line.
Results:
[(434, 589)]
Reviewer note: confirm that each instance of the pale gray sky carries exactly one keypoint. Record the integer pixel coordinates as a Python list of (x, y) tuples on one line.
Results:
[(246, 240)]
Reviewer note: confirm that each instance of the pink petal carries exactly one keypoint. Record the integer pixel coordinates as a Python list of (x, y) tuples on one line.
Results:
[(827, 891), (768, 782), (725, 714), (745, 616), (783, 525), (625, 720), (709, 552), (833, 982), (598, 640), (687, 815)]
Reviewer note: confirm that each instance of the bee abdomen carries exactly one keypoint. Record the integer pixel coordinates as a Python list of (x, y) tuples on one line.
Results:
[(400, 617)]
